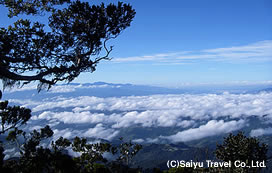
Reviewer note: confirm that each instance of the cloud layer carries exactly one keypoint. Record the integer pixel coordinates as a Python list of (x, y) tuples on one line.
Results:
[(195, 115)]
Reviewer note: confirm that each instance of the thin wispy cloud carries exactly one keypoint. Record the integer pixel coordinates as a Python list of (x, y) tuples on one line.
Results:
[(161, 57), (261, 46), (255, 52)]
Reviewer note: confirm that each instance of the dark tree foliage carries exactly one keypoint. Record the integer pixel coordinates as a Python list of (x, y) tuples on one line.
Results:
[(31, 7), (12, 116), (127, 151), (1, 157), (74, 43), (240, 147), (36, 158)]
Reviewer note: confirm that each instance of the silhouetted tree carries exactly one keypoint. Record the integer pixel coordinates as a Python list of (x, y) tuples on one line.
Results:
[(72, 45), (74, 42), (242, 148)]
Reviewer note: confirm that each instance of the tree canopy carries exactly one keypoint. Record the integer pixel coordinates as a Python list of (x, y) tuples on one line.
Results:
[(74, 43), (242, 148)]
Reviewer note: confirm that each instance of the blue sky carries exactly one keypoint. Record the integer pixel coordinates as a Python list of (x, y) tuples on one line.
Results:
[(198, 41), (171, 42)]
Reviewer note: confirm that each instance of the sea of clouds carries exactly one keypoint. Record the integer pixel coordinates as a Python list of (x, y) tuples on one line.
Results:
[(196, 115)]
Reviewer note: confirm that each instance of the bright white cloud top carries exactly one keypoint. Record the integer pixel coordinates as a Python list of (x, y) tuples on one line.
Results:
[(195, 116)]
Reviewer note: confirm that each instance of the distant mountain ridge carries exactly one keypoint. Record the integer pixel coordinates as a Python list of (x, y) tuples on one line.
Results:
[(104, 89)]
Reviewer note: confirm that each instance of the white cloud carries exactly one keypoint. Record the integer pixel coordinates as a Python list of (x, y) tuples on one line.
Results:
[(181, 111), (24, 88), (72, 88), (212, 128), (37, 127), (261, 46), (150, 140), (254, 52), (138, 140), (186, 123), (156, 57), (62, 88), (101, 132), (196, 107), (73, 118), (261, 132), (66, 133)]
